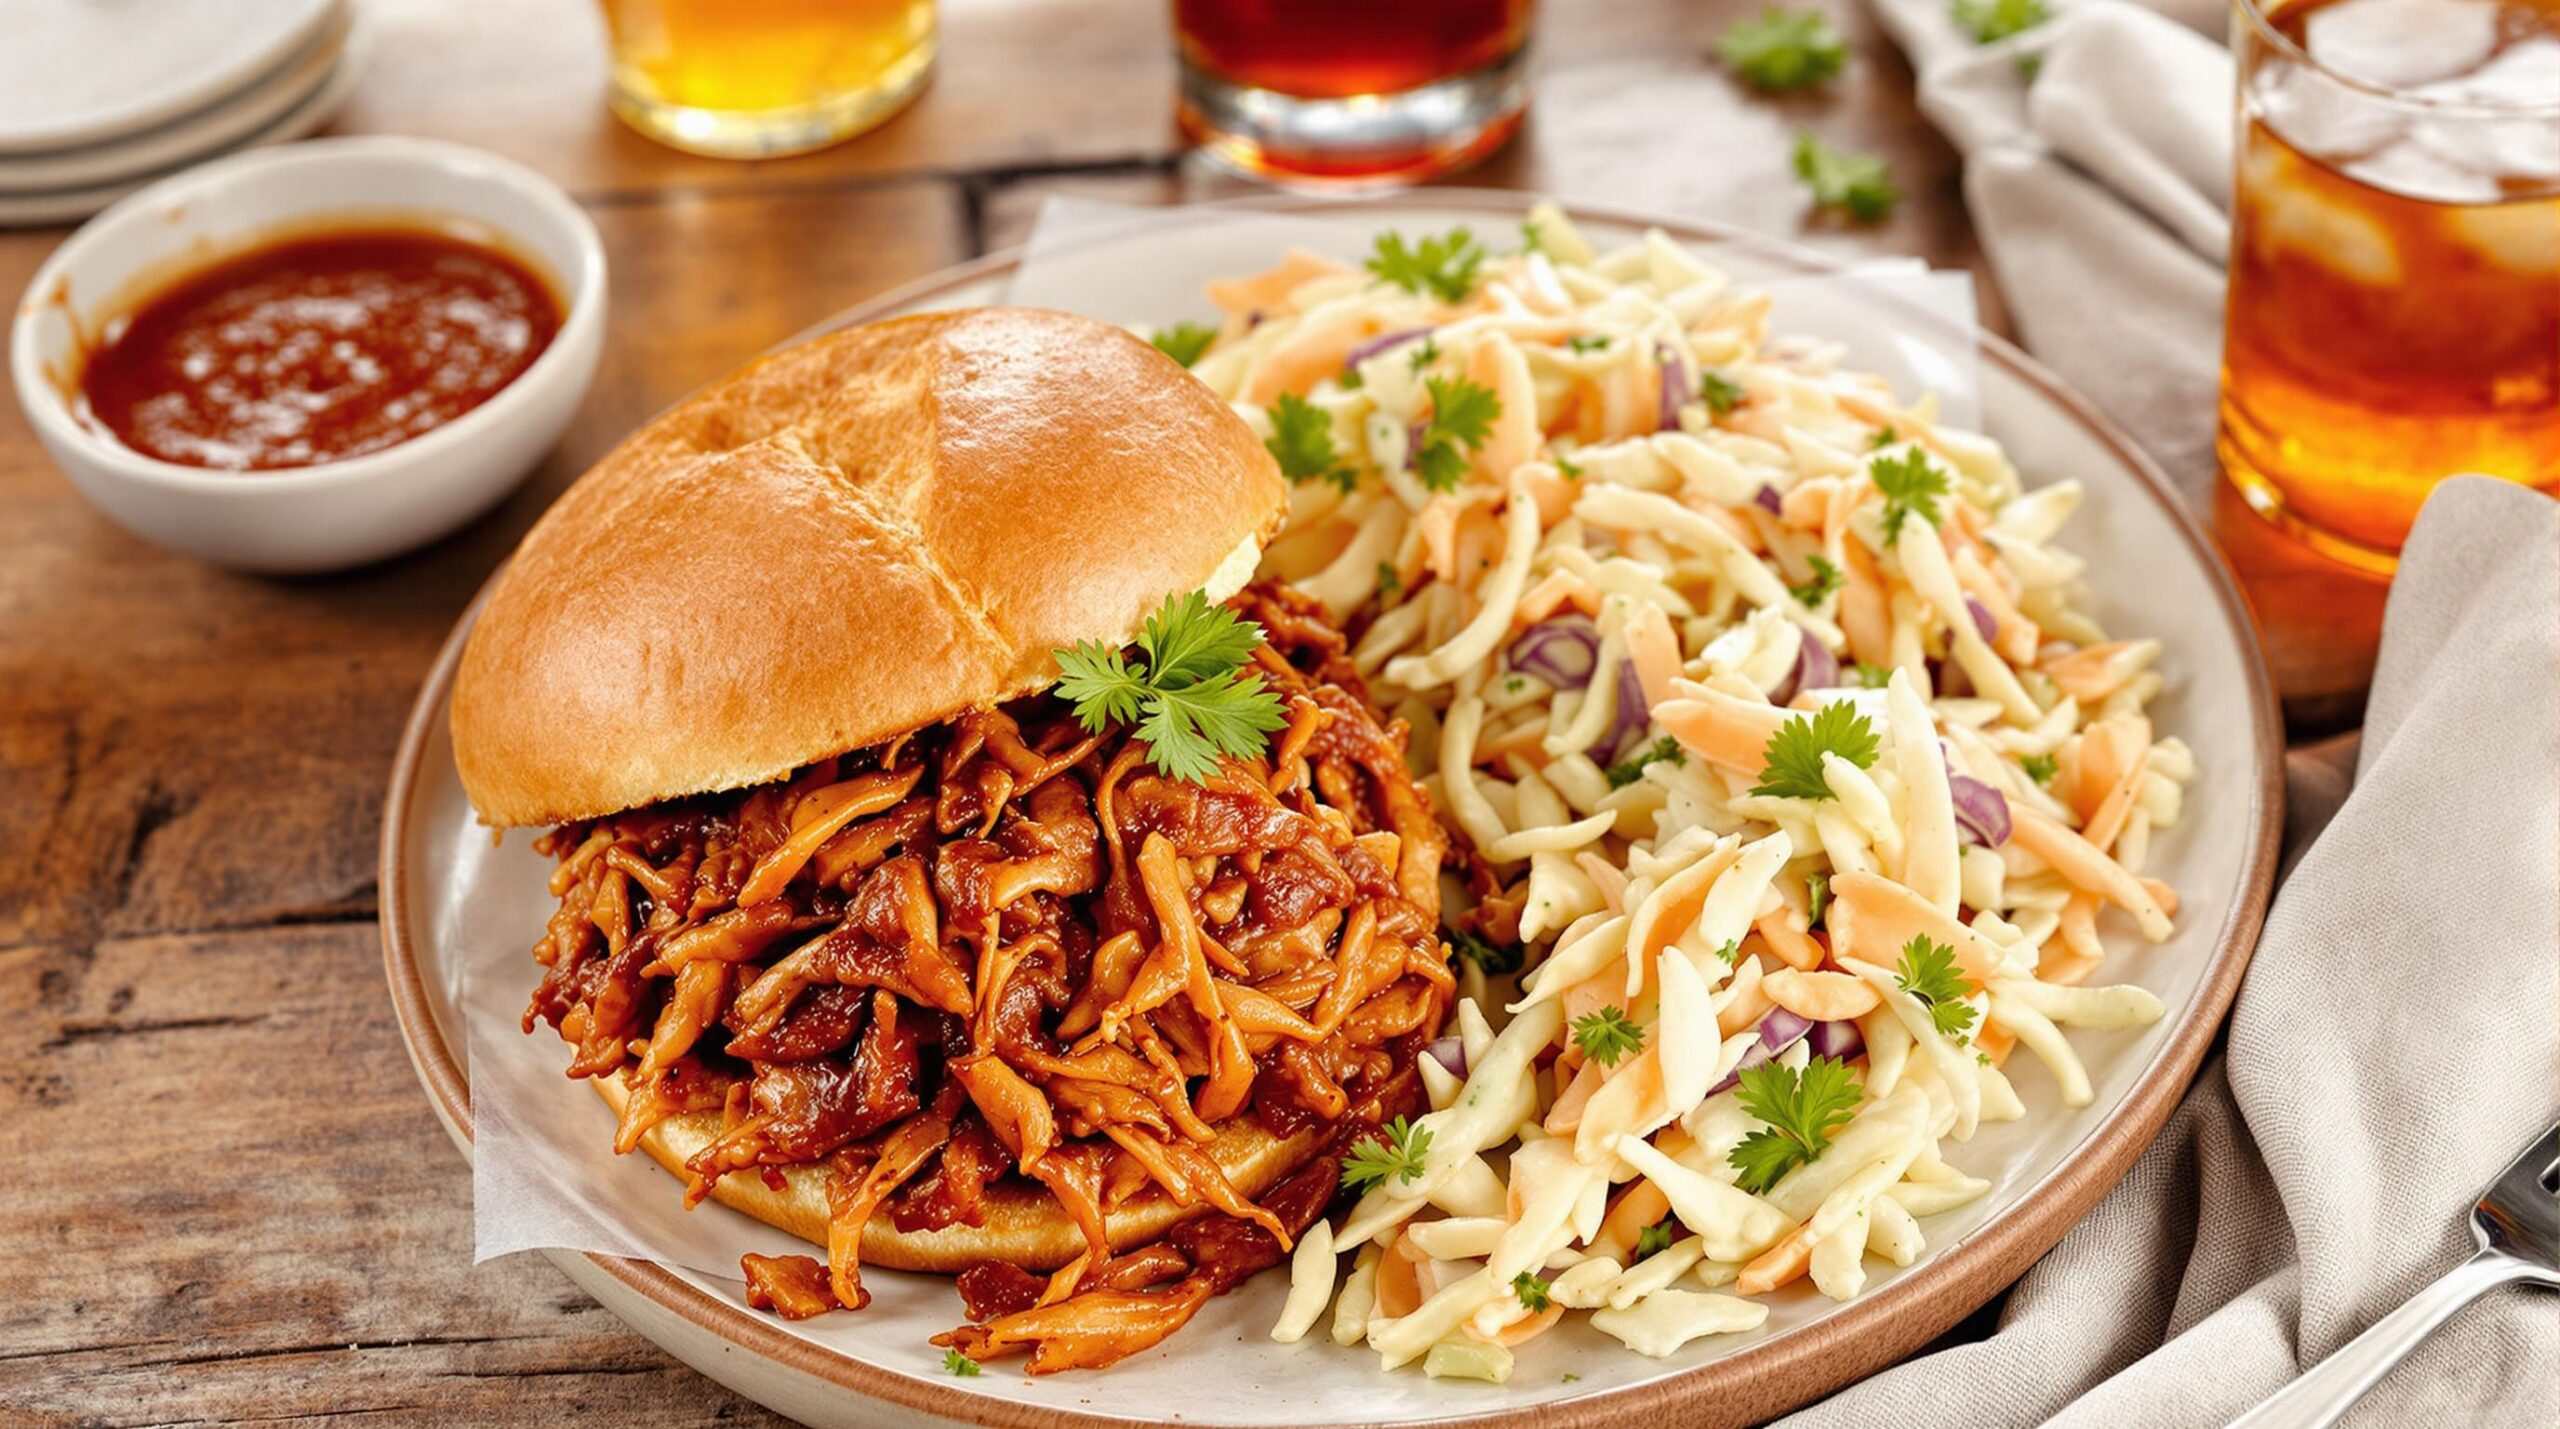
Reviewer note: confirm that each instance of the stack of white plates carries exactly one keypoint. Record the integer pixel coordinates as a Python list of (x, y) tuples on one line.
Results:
[(100, 97)]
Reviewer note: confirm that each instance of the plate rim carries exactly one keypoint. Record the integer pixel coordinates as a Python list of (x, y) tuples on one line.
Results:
[(1862, 1336), (180, 101)]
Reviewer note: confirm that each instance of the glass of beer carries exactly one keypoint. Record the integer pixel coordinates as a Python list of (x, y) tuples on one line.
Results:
[(2394, 308), (753, 79), (1360, 93)]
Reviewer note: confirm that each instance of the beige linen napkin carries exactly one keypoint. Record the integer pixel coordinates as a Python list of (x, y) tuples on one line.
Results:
[(2100, 190), (2394, 1043)]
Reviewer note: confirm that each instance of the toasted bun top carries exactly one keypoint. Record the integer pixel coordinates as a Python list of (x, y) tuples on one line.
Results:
[(849, 539)]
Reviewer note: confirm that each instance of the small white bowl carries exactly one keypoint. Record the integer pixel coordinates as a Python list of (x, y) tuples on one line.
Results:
[(341, 513)]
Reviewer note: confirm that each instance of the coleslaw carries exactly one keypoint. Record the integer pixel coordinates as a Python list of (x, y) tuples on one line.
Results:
[(1784, 751)]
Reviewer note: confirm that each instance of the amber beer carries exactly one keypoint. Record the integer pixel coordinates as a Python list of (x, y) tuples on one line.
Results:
[(2394, 308), (1359, 91), (749, 79)]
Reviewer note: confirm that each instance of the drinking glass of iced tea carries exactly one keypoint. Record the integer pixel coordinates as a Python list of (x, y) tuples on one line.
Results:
[(1351, 92), (752, 79), (2394, 308)]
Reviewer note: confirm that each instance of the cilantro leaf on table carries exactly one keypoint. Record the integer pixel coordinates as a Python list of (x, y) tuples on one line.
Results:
[(1784, 50), (1791, 763), (1443, 267), (1991, 21), (1855, 184), (1800, 1111)]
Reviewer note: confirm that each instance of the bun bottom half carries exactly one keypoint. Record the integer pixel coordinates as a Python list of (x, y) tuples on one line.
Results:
[(1023, 1224)]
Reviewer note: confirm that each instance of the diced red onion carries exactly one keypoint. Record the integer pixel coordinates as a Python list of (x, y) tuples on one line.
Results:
[(1982, 618), (1634, 716), (1816, 668), (1779, 1030), (1451, 1053), (1560, 651), (1413, 436), (1381, 343), (1675, 384), (1836, 1039), (1769, 499), (1980, 809)]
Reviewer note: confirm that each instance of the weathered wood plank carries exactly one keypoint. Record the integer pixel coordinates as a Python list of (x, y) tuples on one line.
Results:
[(228, 1201)]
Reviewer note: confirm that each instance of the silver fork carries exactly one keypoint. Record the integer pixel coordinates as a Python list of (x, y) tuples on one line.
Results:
[(2517, 1222)]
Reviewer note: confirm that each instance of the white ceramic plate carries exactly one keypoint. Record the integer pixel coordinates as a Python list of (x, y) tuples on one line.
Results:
[(445, 888), (207, 131), (86, 71), (313, 109)]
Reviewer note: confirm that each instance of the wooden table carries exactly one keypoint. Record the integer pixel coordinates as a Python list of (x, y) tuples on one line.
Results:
[(226, 1198)]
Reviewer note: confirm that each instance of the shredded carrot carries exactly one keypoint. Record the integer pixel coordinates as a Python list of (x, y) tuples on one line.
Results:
[(1779, 1265), (1730, 731), (1995, 1042), (1821, 996)]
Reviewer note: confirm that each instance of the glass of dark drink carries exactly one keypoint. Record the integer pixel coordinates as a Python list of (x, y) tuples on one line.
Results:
[(1351, 92)]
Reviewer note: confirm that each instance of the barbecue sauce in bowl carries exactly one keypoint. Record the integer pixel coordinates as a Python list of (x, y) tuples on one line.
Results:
[(316, 348)]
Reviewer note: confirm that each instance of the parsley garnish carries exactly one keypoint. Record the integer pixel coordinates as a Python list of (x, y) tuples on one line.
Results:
[(1388, 581), (1817, 897), (1491, 959), (1607, 1035), (1569, 469), (1928, 973), (1873, 677), (1881, 438), (1302, 442), (1190, 700), (1513, 685), (954, 1362), (1785, 49), (1587, 342), (1531, 1290), (1531, 240), (1792, 762), (1351, 380), (1801, 1110), (1628, 770), (1426, 354), (1444, 267), (1721, 393), (1910, 486), (1729, 952), (1654, 1239), (2039, 767), (1855, 184), (1826, 579), (1571, 1378), (1462, 415), (1184, 342), (1990, 21), (1398, 1158)]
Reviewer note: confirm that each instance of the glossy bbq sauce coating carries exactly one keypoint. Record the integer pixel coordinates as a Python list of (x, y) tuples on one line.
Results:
[(318, 348)]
